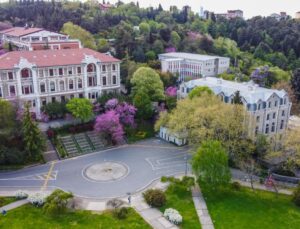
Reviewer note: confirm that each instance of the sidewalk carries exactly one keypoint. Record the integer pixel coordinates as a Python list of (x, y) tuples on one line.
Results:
[(201, 208), (13, 205)]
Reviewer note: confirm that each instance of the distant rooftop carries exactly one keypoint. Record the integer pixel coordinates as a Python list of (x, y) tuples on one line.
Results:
[(189, 56), (20, 31), (251, 92)]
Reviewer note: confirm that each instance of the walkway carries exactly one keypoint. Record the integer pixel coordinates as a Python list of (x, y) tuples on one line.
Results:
[(201, 208), (13, 205)]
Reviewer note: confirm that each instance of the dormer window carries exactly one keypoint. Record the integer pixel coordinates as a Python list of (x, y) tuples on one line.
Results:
[(25, 73)]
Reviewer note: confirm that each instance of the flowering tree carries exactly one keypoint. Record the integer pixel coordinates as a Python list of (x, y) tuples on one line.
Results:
[(111, 104), (126, 113), (109, 124), (171, 93)]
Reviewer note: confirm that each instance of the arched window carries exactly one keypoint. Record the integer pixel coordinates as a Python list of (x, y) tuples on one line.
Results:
[(79, 83), (91, 68), (114, 79), (52, 86), (25, 73), (71, 85), (61, 85)]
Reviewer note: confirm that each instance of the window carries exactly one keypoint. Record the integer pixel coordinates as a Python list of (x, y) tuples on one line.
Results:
[(25, 73), (281, 124), (273, 127), (275, 104), (91, 68), (79, 83), (114, 79), (283, 113), (41, 73), (52, 86), (274, 115), (92, 81), (61, 85), (27, 89), (63, 98), (44, 102), (70, 71), (0, 92), (256, 130), (80, 95), (269, 105), (268, 116), (10, 76), (71, 85), (51, 72), (257, 119), (78, 70), (284, 101), (60, 71), (104, 81), (258, 107), (103, 68), (114, 67), (267, 129), (12, 90), (42, 88), (53, 99)]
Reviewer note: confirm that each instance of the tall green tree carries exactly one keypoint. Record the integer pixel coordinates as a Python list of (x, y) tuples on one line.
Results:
[(80, 108), (32, 136), (7, 117), (210, 163), (200, 90)]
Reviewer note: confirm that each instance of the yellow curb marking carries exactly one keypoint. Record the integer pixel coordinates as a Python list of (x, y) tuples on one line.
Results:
[(48, 176)]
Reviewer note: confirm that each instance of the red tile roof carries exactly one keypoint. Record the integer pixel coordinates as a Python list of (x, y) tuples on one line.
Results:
[(20, 31), (48, 58)]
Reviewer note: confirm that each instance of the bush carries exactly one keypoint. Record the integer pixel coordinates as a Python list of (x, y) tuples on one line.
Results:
[(37, 199), (57, 202), (115, 203), (20, 195), (173, 216), (164, 179), (296, 196), (120, 213), (236, 186), (155, 197)]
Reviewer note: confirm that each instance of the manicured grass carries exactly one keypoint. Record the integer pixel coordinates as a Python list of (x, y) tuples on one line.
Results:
[(29, 217), (6, 200), (247, 209), (181, 200)]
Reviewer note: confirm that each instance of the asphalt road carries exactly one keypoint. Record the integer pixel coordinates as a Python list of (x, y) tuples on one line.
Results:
[(146, 161)]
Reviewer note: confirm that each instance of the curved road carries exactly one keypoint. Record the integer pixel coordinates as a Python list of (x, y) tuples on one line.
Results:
[(146, 161)]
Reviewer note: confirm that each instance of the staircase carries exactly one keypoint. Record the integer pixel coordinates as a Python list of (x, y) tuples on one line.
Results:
[(96, 140), (70, 145), (83, 143)]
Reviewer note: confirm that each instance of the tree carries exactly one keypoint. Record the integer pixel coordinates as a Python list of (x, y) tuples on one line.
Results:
[(76, 32), (144, 28), (237, 99), (80, 108), (210, 163), (199, 91), (56, 203), (109, 125), (175, 39), (143, 104), (103, 45), (7, 117), (32, 136), (146, 80), (295, 82)]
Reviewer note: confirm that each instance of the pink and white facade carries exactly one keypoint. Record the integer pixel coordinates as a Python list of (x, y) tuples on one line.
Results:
[(41, 77)]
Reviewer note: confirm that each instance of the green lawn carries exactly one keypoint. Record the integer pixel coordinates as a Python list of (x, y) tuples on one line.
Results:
[(29, 217), (6, 200), (248, 209), (181, 200)]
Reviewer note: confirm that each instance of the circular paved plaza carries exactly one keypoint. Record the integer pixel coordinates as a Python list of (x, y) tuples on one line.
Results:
[(105, 174)]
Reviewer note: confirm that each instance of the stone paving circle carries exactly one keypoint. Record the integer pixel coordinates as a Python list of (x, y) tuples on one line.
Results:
[(106, 171)]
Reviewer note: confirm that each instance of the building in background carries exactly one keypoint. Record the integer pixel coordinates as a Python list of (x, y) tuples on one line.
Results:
[(188, 65), (297, 15), (105, 6), (26, 38), (231, 14), (44, 76), (269, 109), (280, 16)]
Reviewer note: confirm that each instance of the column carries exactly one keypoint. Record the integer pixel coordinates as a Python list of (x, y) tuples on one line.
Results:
[(85, 81), (19, 84)]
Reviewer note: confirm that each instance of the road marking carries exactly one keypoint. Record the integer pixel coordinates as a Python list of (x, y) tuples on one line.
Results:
[(158, 147), (48, 177)]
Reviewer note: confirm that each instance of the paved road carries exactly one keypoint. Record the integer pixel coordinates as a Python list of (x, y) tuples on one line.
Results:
[(146, 161)]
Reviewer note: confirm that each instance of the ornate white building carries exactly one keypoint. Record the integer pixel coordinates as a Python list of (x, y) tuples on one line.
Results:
[(40, 77), (269, 109), (188, 65)]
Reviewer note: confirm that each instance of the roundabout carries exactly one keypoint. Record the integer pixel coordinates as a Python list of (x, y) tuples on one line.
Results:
[(106, 172)]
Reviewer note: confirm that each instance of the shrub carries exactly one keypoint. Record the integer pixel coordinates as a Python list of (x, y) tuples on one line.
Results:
[(296, 196), (164, 179), (155, 197), (120, 213), (57, 202), (173, 216), (236, 186), (115, 203), (37, 199), (21, 195)]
